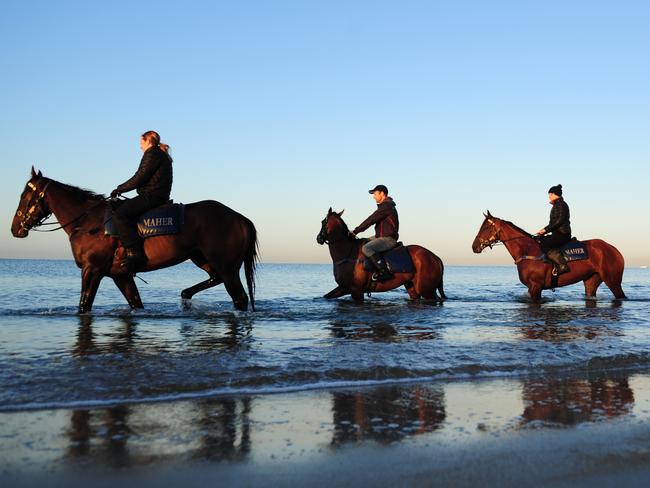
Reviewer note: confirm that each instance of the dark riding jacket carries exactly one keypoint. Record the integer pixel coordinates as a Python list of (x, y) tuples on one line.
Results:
[(385, 219), (153, 177), (559, 220)]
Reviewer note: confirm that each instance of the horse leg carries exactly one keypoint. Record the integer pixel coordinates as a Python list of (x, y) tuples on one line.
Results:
[(357, 295), (410, 288), (535, 292), (591, 285), (214, 279), (235, 290), (126, 285), (613, 282), (90, 279), (336, 293)]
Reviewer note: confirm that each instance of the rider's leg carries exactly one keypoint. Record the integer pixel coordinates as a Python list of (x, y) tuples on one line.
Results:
[(124, 218), (549, 245), (373, 249)]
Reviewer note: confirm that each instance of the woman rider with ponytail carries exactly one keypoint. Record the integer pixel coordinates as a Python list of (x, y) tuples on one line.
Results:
[(153, 182)]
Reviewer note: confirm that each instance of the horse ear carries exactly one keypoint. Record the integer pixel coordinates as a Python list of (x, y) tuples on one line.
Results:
[(329, 212), (33, 172), (489, 214), (341, 212), (39, 173)]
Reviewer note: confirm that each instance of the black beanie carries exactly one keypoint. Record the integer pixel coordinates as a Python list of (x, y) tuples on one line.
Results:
[(557, 190)]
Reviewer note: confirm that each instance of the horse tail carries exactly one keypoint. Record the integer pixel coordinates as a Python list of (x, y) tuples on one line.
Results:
[(440, 285), (250, 261)]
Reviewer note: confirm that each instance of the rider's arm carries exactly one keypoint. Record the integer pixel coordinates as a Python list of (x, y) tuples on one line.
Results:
[(559, 216), (381, 213), (148, 166)]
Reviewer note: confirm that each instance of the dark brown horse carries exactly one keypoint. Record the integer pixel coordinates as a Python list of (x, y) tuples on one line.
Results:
[(216, 239), (354, 280), (605, 262)]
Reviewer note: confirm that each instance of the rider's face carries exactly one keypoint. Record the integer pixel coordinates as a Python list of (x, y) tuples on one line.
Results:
[(552, 197), (144, 145), (379, 196)]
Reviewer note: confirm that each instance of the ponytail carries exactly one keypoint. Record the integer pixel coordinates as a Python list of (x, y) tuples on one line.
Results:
[(151, 136)]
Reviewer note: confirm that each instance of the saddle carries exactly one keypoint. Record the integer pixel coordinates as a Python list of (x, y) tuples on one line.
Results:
[(574, 250), (397, 259), (164, 220)]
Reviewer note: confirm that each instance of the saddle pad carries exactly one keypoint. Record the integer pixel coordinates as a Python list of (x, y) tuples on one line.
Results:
[(574, 251), (398, 260), (164, 220)]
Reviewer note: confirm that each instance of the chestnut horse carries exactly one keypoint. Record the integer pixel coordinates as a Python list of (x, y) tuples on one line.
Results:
[(216, 239), (354, 280), (604, 262)]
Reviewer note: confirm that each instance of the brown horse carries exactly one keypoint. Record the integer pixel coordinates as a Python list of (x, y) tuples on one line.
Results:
[(351, 277), (605, 262), (216, 239)]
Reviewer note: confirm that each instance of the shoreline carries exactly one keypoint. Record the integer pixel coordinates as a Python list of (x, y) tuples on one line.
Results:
[(552, 430)]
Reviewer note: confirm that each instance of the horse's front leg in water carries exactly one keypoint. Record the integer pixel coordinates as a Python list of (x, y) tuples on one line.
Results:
[(90, 279), (336, 293), (127, 286)]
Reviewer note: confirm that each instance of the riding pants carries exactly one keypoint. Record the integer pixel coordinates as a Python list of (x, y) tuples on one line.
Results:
[(125, 216), (378, 245)]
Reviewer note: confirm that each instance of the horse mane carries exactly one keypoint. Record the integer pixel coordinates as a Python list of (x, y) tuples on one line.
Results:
[(346, 229), (516, 227), (78, 193)]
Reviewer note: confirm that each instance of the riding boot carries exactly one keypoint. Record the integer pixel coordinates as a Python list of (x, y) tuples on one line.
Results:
[(559, 262), (135, 258), (382, 273)]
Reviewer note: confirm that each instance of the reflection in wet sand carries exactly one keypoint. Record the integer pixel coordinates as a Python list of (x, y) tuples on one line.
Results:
[(251, 429), (386, 415), (570, 401)]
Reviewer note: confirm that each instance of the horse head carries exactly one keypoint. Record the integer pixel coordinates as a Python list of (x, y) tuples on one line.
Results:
[(332, 226), (32, 207), (488, 234)]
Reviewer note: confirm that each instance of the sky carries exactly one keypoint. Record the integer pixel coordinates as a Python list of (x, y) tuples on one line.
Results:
[(282, 109)]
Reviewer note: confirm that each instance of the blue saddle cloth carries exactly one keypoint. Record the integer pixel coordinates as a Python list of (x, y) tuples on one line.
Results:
[(397, 259), (574, 250), (160, 221)]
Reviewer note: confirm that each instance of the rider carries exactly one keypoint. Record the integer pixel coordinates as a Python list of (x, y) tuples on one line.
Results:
[(560, 228), (153, 181), (386, 231)]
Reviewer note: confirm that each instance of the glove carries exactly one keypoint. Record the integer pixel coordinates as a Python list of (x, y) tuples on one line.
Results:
[(115, 193)]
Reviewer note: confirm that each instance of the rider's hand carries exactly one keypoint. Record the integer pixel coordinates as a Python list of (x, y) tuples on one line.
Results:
[(115, 193), (541, 232)]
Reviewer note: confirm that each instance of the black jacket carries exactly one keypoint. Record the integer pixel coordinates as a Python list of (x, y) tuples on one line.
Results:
[(559, 222), (385, 219), (153, 177)]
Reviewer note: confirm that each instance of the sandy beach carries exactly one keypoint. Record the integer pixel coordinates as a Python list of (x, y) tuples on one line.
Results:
[(565, 431)]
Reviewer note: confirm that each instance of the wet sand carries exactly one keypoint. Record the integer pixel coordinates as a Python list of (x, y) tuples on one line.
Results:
[(584, 430)]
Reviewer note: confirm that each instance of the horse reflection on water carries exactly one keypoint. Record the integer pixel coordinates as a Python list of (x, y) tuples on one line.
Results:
[(214, 237)]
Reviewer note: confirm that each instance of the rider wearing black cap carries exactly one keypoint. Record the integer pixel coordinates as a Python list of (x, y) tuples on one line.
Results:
[(559, 227), (386, 224)]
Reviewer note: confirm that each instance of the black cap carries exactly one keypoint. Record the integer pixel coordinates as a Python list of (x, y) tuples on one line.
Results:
[(557, 190), (379, 188)]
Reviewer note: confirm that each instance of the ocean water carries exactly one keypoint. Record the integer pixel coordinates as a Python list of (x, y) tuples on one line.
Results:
[(50, 357)]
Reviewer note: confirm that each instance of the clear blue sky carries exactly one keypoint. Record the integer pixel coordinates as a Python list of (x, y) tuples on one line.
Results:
[(283, 109)]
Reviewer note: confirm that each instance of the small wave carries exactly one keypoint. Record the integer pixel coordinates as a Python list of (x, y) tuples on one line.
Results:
[(635, 364)]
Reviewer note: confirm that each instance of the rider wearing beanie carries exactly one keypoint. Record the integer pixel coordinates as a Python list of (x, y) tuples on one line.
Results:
[(559, 228)]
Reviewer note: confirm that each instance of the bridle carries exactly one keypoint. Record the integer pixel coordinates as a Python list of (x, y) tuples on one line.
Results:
[(30, 218)]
